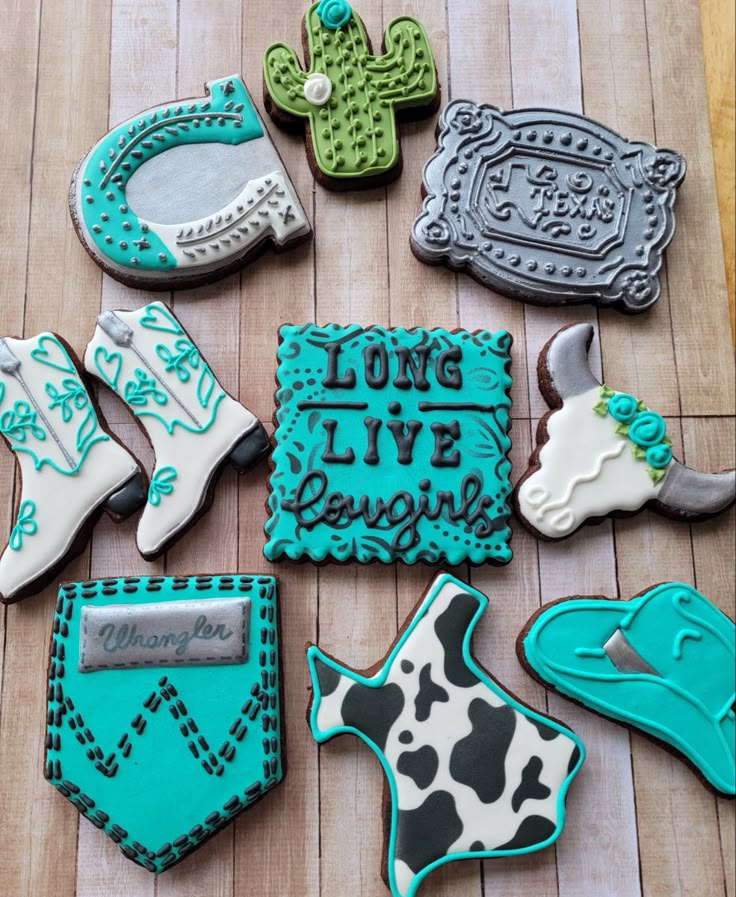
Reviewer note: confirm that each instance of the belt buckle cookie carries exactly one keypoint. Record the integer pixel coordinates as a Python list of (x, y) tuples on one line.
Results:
[(164, 717), (471, 772), (185, 192), (547, 207)]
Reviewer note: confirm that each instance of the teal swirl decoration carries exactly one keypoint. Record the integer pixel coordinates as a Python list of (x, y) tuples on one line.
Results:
[(162, 483), (171, 425), (225, 116), (17, 424), (646, 429), (74, 397), (185, 354), (25, 525), (137, 392)]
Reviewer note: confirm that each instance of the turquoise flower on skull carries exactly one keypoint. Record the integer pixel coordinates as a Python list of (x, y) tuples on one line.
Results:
[(646, 429), (334, 13)]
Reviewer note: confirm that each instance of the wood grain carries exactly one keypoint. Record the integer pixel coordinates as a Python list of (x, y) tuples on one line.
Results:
[(640, 823)]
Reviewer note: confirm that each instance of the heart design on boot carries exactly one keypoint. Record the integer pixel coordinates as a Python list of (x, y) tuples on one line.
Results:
[(109, 365), (152, 320), (57, 357)]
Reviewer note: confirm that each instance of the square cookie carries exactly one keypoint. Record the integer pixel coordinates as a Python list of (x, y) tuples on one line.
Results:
[(391, 445)]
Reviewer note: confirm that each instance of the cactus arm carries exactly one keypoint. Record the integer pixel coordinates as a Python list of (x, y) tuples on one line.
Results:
[(406, 72), (285, 79)]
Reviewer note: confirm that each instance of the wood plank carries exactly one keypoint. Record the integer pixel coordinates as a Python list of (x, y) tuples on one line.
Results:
[(709, 445), (65, 98), (677, 855), (694, 262), (277, 842), (637, 350), (597, 853)]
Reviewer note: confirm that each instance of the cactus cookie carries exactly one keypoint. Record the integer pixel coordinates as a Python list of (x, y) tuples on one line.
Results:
[(347, 97)]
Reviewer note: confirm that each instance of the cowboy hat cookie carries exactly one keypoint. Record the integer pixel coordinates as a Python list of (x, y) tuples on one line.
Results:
[(601, 452), (547, 207), (347, 98), (471, 772), (72, 468), (185, 193), (164, 717), (663, 662), (195, 427), (391, 445)]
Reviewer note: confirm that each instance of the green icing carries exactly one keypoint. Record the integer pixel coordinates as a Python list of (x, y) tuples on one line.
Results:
[(354, 133), (225, 116), (115, 745), (25, 525), (341, 488), (687, 699), (162, 483)]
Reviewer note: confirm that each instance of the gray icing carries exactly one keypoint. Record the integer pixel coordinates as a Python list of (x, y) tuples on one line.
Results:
[(548, 206), (567, 361), (694, 493), (624, 657)]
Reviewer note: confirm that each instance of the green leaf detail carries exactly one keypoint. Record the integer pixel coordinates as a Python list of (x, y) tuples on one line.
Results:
[(601, 408), (655, 475), (666, 440), (638, 452), (640, 406), (607, 392), (622, 429)]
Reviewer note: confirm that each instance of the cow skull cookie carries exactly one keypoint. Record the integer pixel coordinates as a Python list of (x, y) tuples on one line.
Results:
[(185, 192), (391, 445), (603, 453), (548, 207), (71, 467), (663, 662), (164, 717), (471, 772), (195, 427), (347, 98)]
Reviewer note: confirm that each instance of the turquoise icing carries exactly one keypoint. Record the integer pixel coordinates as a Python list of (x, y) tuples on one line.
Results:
[(68, 419), (225, 116), (334, 13), (447, 502), (162, 483), (683, 638), (314, 655), (159, 802), (25, 525)]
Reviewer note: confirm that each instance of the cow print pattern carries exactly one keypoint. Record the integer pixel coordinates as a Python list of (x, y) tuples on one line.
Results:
[(472, 771)]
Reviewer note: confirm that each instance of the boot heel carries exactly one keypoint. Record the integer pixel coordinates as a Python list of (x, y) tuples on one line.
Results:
[(128, 499), (254, 446)]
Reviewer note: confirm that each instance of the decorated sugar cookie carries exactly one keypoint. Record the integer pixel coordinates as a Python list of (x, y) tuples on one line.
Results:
[(663, 662), (471, 772), (604, 453), (548, 207), (391, 445), (347, 98), (185, 192), (71, 467), (164, 717), (193, 424)]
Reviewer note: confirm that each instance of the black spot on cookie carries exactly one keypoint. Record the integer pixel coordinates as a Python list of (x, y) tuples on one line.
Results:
[(429, 692), (451, 626), (373, 711), (427, 833), (546, 733), (420, 765), (530, 788), (574, 760), (533, 830), (477, 846), (327, 676), (479, 759), (406, 737), (407, 666)]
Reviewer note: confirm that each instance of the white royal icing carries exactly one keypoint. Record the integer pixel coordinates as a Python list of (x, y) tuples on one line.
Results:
[(586, 470), (56, 504), (317, 89), (194, 448)]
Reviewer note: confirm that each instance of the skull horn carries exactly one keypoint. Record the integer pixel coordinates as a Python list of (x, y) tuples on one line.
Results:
[(693, 494), (565, 361)]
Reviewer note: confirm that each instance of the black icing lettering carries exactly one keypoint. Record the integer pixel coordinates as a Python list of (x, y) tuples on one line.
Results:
[(405, 358), (404, 439), (331, 379), (533, 830), (451, 626), (372, 426), (420, 765), (428, 693), (329, 455), (373, 711), (449, 376), (427, 833), (375, 361), (444, 437), (479, 759)]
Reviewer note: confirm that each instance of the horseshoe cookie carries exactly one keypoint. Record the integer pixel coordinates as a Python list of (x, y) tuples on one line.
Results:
[(185, 193)]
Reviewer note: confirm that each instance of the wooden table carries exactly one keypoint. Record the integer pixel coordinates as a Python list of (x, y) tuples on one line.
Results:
[(639, 821)]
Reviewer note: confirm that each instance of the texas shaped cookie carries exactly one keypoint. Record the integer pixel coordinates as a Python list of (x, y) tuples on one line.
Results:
[(471, 772)]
